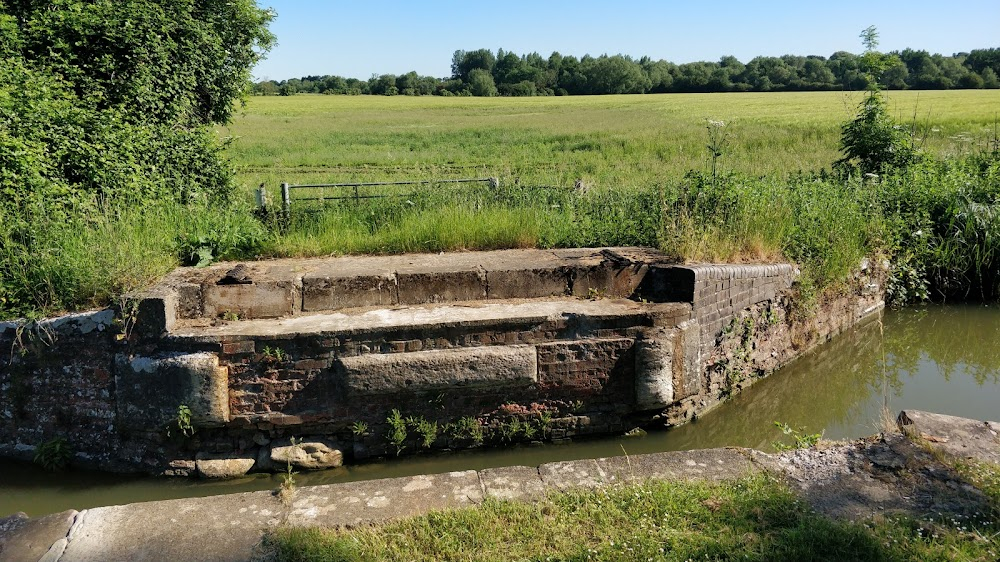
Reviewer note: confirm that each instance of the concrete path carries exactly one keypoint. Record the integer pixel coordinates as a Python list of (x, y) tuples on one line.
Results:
[(854, 479)]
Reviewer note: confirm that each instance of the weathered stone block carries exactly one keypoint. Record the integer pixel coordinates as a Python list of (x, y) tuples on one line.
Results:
[(527, 283), (151, 389), (77, 324), (222, 466), (654, 369), (687, 366), (309, 454), (498, 366), (269, 299), (189, 300), (332, 293), (608, 280), (441, 286)]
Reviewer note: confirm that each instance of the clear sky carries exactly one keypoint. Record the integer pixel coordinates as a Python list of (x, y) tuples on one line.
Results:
[(358, 38)]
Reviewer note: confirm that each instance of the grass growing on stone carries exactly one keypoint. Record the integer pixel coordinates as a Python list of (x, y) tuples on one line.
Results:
[(756, 518)]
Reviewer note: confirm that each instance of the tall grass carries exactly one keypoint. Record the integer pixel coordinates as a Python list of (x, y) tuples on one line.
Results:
[(87, 259)]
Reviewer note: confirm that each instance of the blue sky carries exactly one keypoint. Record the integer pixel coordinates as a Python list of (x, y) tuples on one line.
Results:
[(361, 38)]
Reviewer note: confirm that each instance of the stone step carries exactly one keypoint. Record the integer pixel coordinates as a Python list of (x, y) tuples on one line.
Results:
[(282, 288), (514, 319)]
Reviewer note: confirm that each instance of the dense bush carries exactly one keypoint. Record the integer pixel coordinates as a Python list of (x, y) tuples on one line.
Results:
[(105, 111)]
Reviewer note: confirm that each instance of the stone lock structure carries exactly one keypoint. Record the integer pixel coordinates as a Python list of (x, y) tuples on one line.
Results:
[(216, 370)]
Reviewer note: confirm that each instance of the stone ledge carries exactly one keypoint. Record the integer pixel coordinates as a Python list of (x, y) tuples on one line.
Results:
[(960, 438)]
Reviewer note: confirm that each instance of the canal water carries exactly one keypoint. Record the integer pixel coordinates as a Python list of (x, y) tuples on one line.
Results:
[(938, 358)]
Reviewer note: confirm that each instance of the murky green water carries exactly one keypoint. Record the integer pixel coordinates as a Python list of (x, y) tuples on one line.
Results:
[(944, 359)]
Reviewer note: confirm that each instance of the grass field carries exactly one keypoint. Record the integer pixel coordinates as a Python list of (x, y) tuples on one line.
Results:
[(607, 141)]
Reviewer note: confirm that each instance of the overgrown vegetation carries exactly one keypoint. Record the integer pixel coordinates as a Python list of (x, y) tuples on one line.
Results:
[(108, 163), (755, 518)]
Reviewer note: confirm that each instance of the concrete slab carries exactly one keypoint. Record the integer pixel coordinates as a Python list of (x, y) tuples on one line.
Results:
[(512, 483), (528, 283), (355, 503), (283, 287), (705, 464), (567, 475), (959, 437), (217, 528), (327, 291), (418, 287), (23, 539)]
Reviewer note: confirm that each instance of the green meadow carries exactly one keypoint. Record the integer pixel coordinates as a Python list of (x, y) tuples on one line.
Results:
[(606, 141)]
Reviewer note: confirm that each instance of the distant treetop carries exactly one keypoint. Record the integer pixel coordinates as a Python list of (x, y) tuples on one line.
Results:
[(483, 73)]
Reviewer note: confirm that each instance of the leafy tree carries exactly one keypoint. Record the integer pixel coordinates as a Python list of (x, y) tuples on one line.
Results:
[(162, 60), (481, 83), (971, 81), (872, 140), (895, 75), (846, 68), (464, 62), (990, 79), (616, 75), (979, 60), (660, 75), (693, 77)]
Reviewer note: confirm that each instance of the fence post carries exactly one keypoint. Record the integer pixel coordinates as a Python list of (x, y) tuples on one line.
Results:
[(261, 199), (286, 200)]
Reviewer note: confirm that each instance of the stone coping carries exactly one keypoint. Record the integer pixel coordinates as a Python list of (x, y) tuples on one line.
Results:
[(285, 287)]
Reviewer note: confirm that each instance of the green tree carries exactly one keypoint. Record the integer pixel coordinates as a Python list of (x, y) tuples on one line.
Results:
[(464, 62), (872, 140), (481, 83), (182, 61), (990, 79)]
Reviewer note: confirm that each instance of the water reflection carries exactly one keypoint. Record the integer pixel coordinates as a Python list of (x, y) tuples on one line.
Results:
[(943, 358)]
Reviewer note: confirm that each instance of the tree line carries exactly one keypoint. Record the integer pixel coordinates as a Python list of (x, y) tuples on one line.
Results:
[(484, 73)]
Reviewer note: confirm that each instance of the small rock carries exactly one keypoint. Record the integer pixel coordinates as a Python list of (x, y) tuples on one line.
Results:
[(239, 275), (215, 466), (310, 454)]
